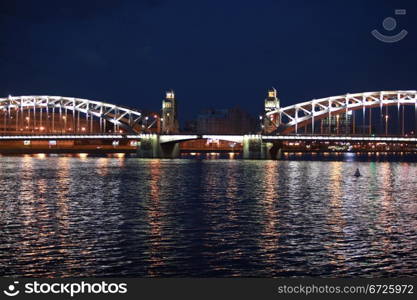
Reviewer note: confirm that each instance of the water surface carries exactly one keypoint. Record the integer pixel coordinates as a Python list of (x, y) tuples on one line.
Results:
[(73, 217)]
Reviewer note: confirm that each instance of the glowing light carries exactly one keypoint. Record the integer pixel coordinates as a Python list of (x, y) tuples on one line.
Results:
[(82, 128), (82, 155), (170, 95)]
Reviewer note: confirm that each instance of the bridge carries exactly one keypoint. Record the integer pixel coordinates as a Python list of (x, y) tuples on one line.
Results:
[(166, 139), (292, 118), (70, 115), (54, 123)]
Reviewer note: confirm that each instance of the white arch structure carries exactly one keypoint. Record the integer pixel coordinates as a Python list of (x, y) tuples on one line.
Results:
[(126, 118), (290, 118)]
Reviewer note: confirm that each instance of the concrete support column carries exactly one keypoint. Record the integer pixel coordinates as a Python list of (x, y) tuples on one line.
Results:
[(255, 148), (169, 150), (151, 147)]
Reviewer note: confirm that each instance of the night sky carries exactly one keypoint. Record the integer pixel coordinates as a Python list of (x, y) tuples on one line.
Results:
[(212, 53)]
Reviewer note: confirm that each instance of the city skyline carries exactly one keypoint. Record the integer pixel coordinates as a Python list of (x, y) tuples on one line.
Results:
[(223, 140), (152, 46)]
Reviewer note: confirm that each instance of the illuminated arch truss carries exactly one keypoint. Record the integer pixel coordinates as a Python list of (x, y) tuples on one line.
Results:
[(292, 118), (132, 121)]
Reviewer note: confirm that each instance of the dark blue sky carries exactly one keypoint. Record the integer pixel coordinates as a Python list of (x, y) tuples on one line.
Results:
[(212, 53)]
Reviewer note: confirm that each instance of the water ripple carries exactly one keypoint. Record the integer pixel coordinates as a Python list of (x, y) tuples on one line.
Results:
[(71, 217)]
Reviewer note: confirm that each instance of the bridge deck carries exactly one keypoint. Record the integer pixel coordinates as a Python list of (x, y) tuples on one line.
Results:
[(232, 138)]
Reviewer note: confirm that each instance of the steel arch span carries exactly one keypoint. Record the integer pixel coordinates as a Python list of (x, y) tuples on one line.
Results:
[(24, 109), (289, 119)]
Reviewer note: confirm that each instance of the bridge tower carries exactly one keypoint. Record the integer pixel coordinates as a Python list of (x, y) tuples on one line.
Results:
[(169, 114), (272, 102)]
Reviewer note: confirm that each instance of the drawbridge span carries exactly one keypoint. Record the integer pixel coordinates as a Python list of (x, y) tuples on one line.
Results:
[(291, 118), (52, 114)]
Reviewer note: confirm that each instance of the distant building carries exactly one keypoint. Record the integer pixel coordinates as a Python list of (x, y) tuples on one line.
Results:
[(190, 126), (169, 114), (224, 121), (339, 124)]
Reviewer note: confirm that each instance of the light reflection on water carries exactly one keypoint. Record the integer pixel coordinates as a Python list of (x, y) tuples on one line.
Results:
[(72, 217)]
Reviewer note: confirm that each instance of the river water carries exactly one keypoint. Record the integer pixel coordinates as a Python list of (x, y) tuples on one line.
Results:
[(76, 217)]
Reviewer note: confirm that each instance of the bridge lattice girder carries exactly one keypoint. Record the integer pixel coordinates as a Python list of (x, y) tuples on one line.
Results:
[(129, 119), (292, 117)]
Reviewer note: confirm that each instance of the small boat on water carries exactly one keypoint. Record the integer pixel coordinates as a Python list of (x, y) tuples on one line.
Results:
[(357, 173)]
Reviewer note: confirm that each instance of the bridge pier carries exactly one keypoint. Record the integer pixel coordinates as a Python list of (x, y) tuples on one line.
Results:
[(150, 146), (255, 148)]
